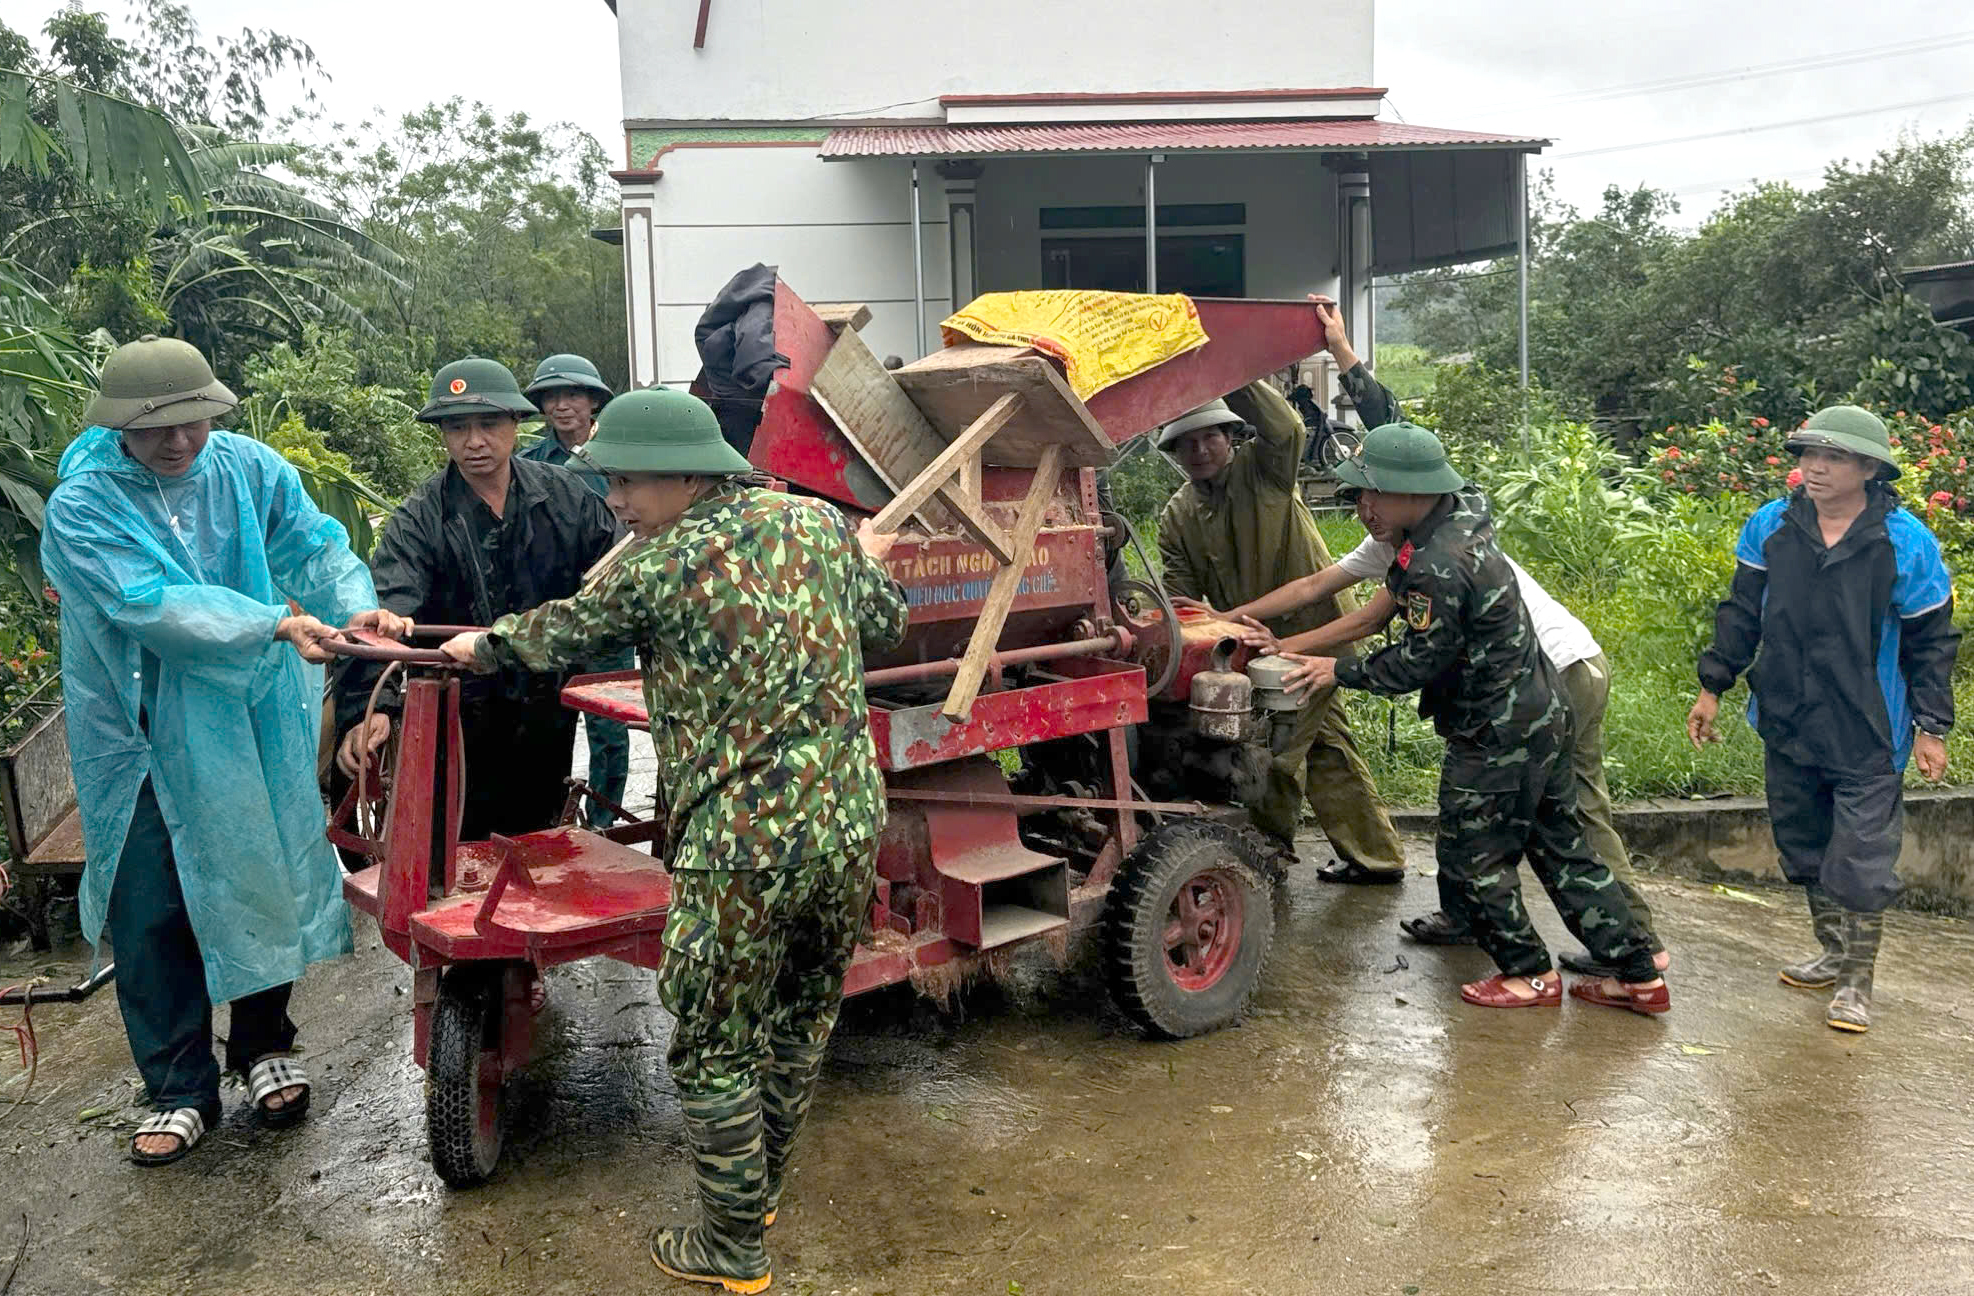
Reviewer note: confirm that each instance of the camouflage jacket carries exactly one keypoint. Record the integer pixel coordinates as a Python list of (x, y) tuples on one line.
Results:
[(1469, 647), (750, 617)]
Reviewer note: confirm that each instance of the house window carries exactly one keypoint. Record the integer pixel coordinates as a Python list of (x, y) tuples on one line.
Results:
[(1199, 265), (1080, 251)]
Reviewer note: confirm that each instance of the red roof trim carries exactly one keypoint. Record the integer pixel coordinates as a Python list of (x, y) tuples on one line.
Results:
[(1161, 96), (1339, 133)]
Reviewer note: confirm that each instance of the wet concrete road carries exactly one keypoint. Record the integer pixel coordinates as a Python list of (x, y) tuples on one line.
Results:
[(1363, 1132)]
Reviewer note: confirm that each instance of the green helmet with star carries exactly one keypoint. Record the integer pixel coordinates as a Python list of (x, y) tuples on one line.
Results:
[(475, 386)]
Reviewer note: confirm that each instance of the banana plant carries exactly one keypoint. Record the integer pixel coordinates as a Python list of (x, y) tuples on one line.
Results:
[(336, 488)]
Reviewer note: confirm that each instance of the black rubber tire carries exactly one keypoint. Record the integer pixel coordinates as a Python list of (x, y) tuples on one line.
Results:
[(466, 1137), (1140, 908), (1340, 445)]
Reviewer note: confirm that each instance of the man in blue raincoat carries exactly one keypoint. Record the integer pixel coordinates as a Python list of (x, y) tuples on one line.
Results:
[(193, 707)]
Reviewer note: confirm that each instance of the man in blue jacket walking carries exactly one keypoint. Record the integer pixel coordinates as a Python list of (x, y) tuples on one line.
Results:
[(1843, 606)]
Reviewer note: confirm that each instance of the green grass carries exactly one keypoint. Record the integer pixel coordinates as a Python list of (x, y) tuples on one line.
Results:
[(1652, 687), (1651, 610), (1407, 370)]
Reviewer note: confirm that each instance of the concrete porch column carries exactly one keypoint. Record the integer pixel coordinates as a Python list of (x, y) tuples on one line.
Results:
[(1354, 256), (640, 197), (962, 179)]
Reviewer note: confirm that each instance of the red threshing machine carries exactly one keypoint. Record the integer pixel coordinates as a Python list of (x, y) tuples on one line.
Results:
[(1138, 734)]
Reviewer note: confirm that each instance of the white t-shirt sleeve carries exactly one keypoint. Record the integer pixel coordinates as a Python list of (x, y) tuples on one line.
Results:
[(1368, 561), (1565, 640)]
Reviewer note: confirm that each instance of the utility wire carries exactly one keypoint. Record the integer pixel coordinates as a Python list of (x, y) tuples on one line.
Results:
[(1766, 126), (1813, 63)]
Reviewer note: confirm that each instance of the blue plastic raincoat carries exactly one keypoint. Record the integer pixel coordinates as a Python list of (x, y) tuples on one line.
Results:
[(171, 589)]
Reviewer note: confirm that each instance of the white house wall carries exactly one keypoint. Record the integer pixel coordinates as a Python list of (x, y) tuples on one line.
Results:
[(1290, 243), (791, 60), (838, 233)]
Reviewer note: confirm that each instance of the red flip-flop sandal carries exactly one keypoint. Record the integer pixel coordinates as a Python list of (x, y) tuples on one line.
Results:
[(1494, 993), (1650, 1002)]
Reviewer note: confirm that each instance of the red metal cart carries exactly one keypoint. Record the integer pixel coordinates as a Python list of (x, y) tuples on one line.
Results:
[(1132, 736)]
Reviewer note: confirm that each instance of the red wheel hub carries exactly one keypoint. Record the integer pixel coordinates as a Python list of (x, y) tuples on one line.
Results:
[(1203, 929)]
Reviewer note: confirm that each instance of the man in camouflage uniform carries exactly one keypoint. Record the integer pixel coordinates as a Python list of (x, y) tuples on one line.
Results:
[(1506, 788), (1238, 529), (569, 392), (751, 612)]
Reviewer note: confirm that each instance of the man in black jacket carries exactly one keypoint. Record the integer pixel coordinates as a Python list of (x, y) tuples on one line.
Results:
[(491, 534), (1846, 597)]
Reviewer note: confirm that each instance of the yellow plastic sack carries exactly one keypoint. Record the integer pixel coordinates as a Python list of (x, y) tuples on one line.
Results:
[(1101, 338)]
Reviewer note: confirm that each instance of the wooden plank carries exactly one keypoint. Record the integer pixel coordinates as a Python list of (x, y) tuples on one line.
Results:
[(842, 315), (947, 465), (863, 398), (973, 516), (60, 851), (954, 386), (1000, 597)]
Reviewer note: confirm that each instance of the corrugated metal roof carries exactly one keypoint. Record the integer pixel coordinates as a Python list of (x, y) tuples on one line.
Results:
[(1142, 137)]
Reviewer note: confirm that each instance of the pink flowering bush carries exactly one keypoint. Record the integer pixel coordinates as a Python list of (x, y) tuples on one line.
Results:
[(1747, 458)]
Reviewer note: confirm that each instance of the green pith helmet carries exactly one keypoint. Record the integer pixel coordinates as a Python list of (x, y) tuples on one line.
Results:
[(1211, 414), (659, 430), (474, 386), (1846, 427), (566, 371), (157, 382), (1400, 459)]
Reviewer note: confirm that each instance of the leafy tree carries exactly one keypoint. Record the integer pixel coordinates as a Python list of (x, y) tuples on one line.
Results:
[(493, 217), (371, 426), (1783, 299), (239, 259)]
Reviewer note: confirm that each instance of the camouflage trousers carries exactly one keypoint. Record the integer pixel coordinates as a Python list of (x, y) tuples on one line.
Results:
[(1321, 761), (756, 956), (1495, 806)]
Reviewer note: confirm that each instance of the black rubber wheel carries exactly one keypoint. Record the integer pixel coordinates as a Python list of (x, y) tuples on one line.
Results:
[(463, 1091), (1340, 445), (1186, 928)]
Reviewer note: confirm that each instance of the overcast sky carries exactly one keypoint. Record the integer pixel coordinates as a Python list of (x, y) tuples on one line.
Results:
[(1576, 71)]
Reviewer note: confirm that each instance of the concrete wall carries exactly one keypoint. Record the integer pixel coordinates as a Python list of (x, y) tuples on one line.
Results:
[(1290, 234), (839, 231), (789, 60)]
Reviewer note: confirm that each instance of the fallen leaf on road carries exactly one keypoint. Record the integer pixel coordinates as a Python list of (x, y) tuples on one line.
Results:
[(1747, 897)]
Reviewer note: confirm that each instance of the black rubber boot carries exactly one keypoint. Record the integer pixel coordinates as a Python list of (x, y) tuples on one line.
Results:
[(725, 1248), (788, 1086), (1850, 1009), (1827, 919)]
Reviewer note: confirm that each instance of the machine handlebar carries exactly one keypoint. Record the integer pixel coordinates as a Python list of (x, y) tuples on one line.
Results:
[(366, 645)]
